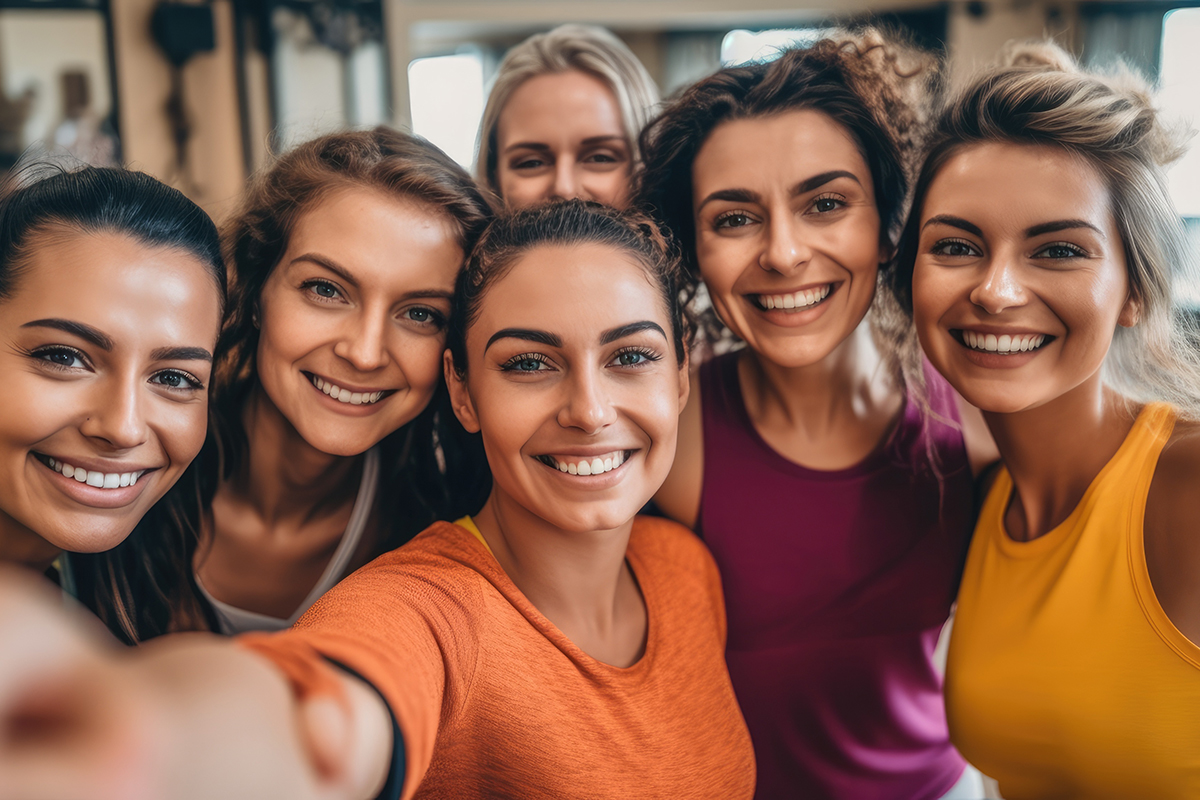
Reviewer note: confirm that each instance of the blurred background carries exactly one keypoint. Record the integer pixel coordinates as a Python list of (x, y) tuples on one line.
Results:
[(200, 94)]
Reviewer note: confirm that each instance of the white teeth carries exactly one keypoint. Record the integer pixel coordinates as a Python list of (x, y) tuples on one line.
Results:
[(796, 300), (1004, 344), (345, 395), (585, 466), (101, 480)]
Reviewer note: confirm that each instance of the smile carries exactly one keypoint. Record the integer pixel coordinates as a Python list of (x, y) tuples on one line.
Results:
[(99, 480), (345, 395), (796, 301), (1004, 344), (596, 465)]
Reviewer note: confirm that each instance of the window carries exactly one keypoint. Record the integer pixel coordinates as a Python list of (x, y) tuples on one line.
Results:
[(446, 99), (1178, 96)]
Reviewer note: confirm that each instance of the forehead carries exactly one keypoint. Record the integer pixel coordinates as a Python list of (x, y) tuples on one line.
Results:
[(571, 105), (576, 291), (1019, 185), (117, 284), (381, 238), (777, 149)]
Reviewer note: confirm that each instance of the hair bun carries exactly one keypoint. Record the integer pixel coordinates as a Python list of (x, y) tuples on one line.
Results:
[(1038, 55)]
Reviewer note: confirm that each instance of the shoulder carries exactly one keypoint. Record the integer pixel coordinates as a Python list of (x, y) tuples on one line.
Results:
[(679, 496), (1173, 487), (667, 545)]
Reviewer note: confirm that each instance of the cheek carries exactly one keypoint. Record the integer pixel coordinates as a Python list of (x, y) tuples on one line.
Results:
[(182, 430), (420, 359)]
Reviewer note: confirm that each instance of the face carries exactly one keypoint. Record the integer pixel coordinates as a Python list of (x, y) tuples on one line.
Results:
[(561, 136), (108, 349), (353, 319), (1020, 279), (787, 246), (578, 401)]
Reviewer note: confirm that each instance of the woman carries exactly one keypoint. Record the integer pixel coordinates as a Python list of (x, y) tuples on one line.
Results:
[(108, 396), (328, 381), (832, 485), (552, 646), (1041, 251), (563, 117)]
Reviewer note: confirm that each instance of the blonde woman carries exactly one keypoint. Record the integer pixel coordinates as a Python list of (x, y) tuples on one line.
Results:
[(1039, 257), (563, 117)]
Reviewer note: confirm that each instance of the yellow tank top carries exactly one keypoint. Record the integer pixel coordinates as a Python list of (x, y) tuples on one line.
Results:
[(1065, 677)]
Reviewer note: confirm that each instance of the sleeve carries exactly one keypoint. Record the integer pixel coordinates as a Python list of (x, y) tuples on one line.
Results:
[(404, 629)]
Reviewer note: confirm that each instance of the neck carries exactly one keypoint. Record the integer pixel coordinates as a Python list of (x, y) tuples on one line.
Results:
[(282, 475), (1054, 451), (814, 397), (20, 545), (571, 577)]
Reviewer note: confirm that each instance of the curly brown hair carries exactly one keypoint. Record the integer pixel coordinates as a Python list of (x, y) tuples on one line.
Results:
[(873, 85)]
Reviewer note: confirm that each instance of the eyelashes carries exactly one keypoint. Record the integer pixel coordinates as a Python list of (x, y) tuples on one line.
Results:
[(626, 358), (64, 359)]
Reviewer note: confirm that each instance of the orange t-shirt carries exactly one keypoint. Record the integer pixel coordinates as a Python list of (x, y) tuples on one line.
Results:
[(492, 700)]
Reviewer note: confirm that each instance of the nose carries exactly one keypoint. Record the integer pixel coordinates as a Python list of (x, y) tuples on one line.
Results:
[(999, 286), (117, 416), (587, 406), (566, 183), (363, 343), (785, 250)]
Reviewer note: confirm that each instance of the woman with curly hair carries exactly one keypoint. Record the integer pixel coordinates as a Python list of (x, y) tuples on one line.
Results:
[(1040, 257), (831, 478)]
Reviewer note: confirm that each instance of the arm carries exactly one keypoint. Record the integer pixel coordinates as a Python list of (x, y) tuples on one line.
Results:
[(188, 716), (679, 497)]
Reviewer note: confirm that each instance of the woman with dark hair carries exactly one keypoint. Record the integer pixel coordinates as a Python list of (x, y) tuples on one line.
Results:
[(831, 482), (554, 645), (1040, 259), (332, 438), (111, 293)]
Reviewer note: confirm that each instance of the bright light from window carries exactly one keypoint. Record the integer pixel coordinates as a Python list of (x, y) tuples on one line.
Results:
[(741, 46), (1179, 96), (446, 98)]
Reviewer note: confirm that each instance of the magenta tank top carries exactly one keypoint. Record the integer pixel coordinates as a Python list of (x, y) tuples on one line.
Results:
[(837, 585)]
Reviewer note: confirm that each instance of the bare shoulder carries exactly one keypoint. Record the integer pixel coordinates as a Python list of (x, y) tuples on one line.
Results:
[(1172, 529), (679, 497)]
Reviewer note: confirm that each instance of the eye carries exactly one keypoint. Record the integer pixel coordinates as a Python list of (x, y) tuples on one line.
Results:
[(425, 316), (324, 290), (177, 379), (826, 203), (733, 219), (527, 363), (528, 163), (953, 248), (61, 357), (635, 357), (1059, 250)]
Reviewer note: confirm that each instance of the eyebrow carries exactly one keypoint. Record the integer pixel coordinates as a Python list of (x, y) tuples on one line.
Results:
[(348, 277), (614, 334), (541, 337), (1060, 225), (953, 222), (803, 187), (181, 354), (543, 146), (85, 332)]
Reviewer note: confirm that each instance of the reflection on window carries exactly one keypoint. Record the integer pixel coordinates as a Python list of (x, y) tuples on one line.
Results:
[(446, 97), (741, 46)]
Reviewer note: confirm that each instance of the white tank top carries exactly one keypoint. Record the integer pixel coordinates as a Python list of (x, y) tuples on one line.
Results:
[(235, 620)]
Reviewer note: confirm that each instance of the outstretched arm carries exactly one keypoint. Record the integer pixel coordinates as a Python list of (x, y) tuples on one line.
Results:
[(187, 716)]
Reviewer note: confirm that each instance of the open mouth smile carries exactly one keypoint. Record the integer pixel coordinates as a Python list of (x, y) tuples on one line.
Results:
[(98, 480), (595, 465), (343, 395), (795, 301), (1004, 344)]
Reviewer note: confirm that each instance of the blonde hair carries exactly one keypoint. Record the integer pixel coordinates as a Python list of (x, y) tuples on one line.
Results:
[(1039, 95), (585, 48)]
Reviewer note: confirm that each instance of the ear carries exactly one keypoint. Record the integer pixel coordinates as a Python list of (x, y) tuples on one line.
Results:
[(886, 251), (685, 382), (1131, 312), (460, 397)]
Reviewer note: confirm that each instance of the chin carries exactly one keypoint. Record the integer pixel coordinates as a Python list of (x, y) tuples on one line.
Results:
[(89, 539)]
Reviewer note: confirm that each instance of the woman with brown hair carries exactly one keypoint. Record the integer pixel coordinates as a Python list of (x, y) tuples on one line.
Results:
[(332, 441), (832, 484)]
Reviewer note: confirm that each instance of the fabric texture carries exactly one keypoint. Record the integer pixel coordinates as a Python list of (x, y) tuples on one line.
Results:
[(837, 584), (494, 701), (1065, 677)]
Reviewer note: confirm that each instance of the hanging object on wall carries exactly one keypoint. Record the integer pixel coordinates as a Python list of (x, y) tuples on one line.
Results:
[(182, 30)]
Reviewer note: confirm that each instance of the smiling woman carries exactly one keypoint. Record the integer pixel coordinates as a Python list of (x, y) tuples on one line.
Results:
[(554, 645), (111, 290), (1040, 252)]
